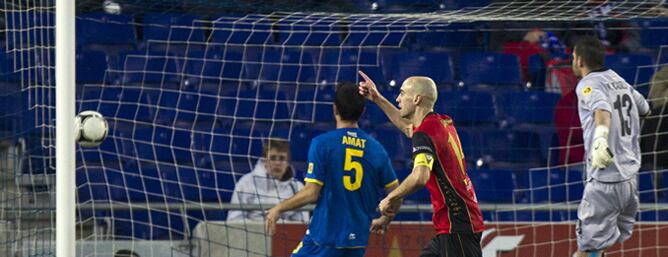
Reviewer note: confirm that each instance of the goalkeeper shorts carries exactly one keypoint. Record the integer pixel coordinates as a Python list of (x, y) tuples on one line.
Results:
[(606, 214), (308, 248), (454, 245)]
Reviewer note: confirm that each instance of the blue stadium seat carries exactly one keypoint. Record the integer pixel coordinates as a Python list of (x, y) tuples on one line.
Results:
[(102, 28), (92, 183), (249, 29), (213, 66), (183, 184), (273, 65), (172, 27), (141, 67), (511, 149), (315, 105), (313, 31), (459, 4), (630, 67), (148, 224), (301, 140), (7, 73), (30, 27), (555, 185), (493, 186), (467, 107), (162, 143), (527, 107), (646, 187), (91, 66), (407, 5), (341, 65), (654, 33), (362, 33), (136, 183), (396, 144), (455, 35), (470, 141), (490, 69), (436, 65)]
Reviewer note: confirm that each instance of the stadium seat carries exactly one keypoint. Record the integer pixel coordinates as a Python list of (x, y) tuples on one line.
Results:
[(362, 33), (6, 66), (407, 5), (454, 36), (493, 186), (654, 32), (301, 140), (148, 224), (172, 27), (92, 183), (527, 107), (341, 65), (470, 141), (436, 65), (511, 149), (636, 69), (554, 185), (312, 31), (213, 66), (30, 27), (249, 29), (396, 144), (102, 28), (646, 187), (315, 104), (91, 66), (141, 67), (274, 65), (184, 184), (467, 107), (490, 69)]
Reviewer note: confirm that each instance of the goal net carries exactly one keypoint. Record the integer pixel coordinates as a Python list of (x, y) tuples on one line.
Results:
[(193, 91)]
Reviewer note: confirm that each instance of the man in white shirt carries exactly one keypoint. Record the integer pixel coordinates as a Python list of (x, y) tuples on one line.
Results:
[(271, 181)]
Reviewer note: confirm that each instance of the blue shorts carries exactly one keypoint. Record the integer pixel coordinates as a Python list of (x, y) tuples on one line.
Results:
[(309, 248)]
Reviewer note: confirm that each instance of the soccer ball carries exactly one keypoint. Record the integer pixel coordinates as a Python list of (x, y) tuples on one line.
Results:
[(90, 128)]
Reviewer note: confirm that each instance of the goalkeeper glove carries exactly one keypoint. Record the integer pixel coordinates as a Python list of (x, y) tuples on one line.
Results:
[(601, 156)]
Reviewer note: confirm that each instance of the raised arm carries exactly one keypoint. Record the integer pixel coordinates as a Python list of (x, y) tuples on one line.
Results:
[(368, 89)]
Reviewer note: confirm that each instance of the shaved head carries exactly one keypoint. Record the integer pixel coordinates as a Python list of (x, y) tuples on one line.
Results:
[(423, 86), (416, 92)]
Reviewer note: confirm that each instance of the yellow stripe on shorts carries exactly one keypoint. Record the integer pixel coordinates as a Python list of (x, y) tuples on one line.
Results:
[(298, 247)]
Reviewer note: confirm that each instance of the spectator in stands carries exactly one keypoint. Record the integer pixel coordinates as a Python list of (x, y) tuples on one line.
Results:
[(655, 128), (125, 253), (615, 36), (271, 181)]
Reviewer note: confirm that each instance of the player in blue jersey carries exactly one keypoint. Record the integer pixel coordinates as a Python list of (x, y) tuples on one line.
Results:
[(346, 169)]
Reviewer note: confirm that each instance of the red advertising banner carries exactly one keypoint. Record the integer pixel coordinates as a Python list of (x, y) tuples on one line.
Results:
[(499, 240)]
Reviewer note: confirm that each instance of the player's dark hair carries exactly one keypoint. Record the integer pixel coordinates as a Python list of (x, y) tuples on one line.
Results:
[(349, 102), (591, 51)]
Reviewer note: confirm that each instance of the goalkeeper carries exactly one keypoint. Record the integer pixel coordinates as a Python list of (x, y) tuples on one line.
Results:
[(609, 110)]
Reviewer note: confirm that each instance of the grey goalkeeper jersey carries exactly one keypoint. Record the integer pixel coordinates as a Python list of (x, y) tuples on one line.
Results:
[(606, 90)]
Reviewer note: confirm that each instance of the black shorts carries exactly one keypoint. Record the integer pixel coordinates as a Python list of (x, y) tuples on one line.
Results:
[(454, 245)]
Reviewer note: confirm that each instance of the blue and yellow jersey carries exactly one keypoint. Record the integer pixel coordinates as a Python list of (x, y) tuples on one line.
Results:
[(351, 167)]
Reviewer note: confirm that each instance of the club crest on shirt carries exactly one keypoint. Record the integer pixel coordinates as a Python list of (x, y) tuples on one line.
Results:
[(587, 90)]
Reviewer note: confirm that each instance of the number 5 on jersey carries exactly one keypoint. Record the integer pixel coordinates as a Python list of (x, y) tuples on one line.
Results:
[(351, 165)]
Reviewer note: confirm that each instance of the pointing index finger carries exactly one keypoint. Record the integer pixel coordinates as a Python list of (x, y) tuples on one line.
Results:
[(366, 78)]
